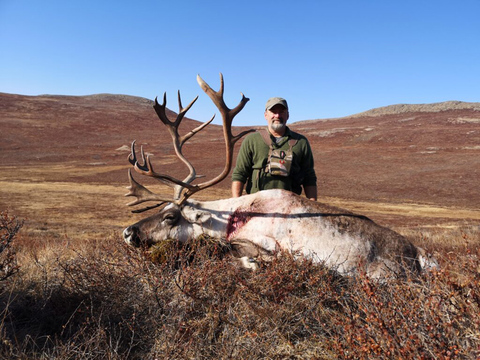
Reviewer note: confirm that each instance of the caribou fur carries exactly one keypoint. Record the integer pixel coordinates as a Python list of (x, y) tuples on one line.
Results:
[(259, 225)]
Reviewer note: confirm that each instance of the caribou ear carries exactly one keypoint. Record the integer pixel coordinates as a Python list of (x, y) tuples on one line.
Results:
[(202, 217), (194, 216)]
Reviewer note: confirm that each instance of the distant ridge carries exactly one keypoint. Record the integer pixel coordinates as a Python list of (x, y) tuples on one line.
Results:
[(408, 108), (118, 97), (93, 97), (106, 97), (380, 111)]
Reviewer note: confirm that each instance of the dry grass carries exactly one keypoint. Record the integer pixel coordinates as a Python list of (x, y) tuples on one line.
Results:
[(81, 293), (99, 299)]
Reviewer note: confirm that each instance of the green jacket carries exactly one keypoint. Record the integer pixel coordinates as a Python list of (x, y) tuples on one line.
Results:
[(252, 159)]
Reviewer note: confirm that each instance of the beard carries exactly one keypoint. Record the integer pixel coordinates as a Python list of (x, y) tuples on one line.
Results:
[(278, 125)]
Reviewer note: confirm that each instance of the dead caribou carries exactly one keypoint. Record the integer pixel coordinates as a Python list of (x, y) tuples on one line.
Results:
[(259, 225)]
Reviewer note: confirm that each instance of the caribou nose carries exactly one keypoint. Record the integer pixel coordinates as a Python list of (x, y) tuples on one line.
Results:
[(130, 236)]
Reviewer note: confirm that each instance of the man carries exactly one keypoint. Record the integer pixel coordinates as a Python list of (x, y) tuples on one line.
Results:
[(255, 163)]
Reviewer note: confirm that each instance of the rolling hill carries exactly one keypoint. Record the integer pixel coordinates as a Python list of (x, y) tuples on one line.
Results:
[(403, 164)]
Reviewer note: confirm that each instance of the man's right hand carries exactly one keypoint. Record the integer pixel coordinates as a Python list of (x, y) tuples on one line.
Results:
[(237, 188)]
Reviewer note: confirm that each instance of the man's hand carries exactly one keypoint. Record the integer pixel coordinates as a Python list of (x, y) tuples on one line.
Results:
[(237, 188), (311, 192)]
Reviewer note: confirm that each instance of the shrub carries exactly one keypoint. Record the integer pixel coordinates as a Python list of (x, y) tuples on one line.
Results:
[(110, 301), (9, 227)]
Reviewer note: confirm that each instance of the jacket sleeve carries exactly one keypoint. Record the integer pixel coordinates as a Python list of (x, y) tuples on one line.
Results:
[(244, 164), (308, 166)]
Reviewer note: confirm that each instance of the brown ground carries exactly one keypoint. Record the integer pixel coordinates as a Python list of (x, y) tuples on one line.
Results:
[(63, 162)]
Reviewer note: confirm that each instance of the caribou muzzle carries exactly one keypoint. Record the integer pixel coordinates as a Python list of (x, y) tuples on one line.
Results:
[(131, 236)]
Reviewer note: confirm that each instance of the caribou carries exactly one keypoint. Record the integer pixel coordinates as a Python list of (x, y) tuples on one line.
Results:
[(260, 225)]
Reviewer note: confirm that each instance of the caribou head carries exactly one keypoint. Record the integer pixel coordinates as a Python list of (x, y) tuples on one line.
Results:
[(177, 220)]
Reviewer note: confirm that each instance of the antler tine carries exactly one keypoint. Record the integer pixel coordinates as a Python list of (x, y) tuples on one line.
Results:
[(160, 109), (140, 192), (147, 169), (227, 113), (132, 157), (166, 179), (181, 114), (187, 136), (216, 96), (182, 111)]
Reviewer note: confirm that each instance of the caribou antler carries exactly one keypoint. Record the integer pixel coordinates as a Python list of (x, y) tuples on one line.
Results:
[(227, 117), (183, 189)]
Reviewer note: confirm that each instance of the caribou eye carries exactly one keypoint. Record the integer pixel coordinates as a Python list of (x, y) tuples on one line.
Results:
[(170, 218)]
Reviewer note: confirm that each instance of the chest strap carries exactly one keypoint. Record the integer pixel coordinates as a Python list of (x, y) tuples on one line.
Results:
[(268, 140)]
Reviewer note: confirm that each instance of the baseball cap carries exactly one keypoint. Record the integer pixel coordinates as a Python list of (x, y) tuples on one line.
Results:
[(276, 101)]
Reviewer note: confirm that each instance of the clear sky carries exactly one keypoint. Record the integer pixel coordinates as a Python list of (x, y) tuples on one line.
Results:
[(328, 58)]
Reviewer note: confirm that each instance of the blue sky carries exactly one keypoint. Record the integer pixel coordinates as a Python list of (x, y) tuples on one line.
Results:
[(327, 58)]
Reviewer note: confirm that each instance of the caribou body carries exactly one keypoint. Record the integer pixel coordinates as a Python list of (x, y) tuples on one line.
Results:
[(259, 225)]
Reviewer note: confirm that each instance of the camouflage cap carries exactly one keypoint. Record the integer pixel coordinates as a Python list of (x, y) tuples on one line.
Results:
[(276, 101)]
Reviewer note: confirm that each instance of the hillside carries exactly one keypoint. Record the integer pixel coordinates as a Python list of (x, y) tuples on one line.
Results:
[(427, 155), (404, 164), (415, 108)]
